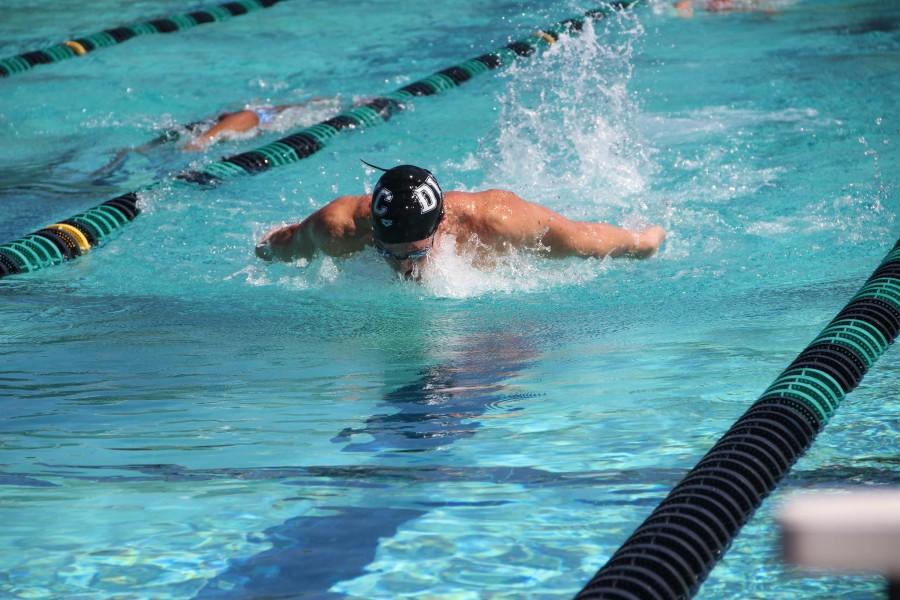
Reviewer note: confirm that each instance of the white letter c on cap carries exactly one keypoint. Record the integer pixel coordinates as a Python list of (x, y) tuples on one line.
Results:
[(382, 196)]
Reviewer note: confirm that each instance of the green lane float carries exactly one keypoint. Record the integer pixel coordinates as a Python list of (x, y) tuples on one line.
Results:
[(110, 37), (67, 239), (100, 222), (670, 555)]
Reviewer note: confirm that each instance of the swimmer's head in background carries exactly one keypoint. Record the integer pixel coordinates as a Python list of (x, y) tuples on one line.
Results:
[(407, 205)]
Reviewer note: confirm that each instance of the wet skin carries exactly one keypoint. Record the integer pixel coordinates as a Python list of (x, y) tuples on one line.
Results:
[(498, 220)]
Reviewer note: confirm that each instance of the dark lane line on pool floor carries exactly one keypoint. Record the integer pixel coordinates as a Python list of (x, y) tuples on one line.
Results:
[(337, 547), (434, 411), (342, 476), (375, 476), (309, 555)]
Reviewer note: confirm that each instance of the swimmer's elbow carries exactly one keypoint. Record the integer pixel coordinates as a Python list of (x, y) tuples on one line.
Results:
[(333, 234)]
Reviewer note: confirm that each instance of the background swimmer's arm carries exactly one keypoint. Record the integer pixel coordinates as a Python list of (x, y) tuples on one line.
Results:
[(342, 227), (238, 122), (123, 154), (243, 120), (685, 8)]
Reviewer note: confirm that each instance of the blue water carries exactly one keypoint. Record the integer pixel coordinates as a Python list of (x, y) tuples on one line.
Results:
[(180, 420)]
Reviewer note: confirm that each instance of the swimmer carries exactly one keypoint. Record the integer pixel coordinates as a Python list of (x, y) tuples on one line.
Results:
[(685, 8), (208, 131), (408, 216), (252, 117)]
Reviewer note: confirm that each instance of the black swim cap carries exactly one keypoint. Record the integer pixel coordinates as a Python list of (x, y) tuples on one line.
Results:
[(407, 205)]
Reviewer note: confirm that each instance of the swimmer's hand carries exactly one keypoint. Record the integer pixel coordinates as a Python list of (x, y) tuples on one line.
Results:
[(264, 251), (279, 244), (649, 241)]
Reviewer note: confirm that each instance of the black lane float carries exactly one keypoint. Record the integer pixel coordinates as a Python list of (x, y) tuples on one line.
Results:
[(677, 546), (110, 37), (98, 223)]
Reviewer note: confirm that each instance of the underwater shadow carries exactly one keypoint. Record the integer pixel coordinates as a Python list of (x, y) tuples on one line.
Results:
[(442, 405), (310, 554)]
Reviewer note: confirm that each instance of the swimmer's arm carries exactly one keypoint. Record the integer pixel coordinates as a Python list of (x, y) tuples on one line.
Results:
[(286, 243), (565, 237), (600, 240), (339, 228), (518, 222)]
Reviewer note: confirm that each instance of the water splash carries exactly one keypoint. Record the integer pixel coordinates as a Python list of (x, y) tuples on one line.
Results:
[(574, 139), (467, 273), (574, 145), (716, 120), (305, 114)]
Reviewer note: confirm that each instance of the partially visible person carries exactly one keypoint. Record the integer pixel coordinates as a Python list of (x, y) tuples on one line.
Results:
[(408, 216), (202, 134), (685, 8), (261, 117)]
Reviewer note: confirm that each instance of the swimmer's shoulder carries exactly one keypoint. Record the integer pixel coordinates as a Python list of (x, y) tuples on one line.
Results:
[(348, 206), (482, 213), (461, 207), (475, 204), (345, 212)]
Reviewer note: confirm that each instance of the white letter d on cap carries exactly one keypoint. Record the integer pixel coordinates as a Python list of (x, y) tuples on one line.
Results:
[(427, 195)]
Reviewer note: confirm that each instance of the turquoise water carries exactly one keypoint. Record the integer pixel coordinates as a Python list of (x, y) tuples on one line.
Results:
[(182, 421)]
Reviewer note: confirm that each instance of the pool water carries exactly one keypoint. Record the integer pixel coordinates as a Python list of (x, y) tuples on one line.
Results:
[(181, 420)]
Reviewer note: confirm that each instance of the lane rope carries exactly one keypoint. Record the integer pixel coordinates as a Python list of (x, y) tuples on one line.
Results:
[(110, 37), (97, 224), (670, 555)]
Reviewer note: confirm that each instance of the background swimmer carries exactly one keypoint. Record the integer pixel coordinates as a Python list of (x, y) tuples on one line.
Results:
[(685, 8), (252, 119)]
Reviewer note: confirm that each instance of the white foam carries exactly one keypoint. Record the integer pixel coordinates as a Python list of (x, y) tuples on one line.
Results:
[(856, 218), (575, 137), (446, 274), (471, 273), (306, 114), (714, 120)]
